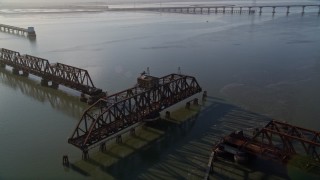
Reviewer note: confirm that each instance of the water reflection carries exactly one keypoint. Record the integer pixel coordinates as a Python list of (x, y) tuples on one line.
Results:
[(69, 105)]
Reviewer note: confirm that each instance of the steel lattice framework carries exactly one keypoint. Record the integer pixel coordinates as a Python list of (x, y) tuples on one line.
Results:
[(280, 140), (69, 76), (121, 110)]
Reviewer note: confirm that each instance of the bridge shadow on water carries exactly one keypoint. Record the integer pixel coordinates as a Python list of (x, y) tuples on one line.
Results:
[(182, 151), (59, 100)]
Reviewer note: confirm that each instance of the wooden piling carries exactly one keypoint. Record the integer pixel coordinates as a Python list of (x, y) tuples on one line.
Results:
[(65, 161)]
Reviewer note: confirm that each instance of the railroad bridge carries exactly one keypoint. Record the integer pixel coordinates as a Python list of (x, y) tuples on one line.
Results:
[(109, 116), (58, 73)]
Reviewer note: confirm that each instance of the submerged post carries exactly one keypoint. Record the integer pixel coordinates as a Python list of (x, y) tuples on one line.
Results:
[(303, 9), (65, 161)]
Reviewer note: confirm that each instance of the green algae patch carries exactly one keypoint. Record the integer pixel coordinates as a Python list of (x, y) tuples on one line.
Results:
[(182, 114), (303, 167), (99, 162)]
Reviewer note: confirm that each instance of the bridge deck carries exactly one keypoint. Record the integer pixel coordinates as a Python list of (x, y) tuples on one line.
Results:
[(126, 108), (13, 28)]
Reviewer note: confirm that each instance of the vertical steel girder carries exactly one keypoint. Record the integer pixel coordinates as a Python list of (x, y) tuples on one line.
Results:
[(280, 140), (121, 110), (69, 76)]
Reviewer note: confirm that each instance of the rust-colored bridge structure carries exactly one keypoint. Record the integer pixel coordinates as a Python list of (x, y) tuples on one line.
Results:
[(279, 141), (120, 111), (58, 73)]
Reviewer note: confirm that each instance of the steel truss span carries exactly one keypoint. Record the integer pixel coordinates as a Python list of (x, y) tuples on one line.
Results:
[(281, 140), (58, 73), (121, 110)]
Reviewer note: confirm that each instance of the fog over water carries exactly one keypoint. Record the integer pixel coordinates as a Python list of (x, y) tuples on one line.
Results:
[(254, 67)]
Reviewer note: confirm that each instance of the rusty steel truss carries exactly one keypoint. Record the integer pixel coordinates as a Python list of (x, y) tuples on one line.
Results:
[(121, 110), (58, 73), (278, 141), (282, 140)]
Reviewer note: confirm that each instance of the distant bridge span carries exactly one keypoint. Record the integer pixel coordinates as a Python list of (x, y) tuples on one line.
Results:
[(58, 73), (121, 110)]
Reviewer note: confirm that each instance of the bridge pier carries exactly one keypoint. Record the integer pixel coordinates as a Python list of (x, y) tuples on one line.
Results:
[(216, 10), (274, 10), (102, 147), (240, 10), (223, 10), (15, 71), (204, 95), (260, 11), (288, 9), (168, 115), (85, 155), (132, 131), (25, 73), (231, 10), (119, 139), (188, 105), (250, 10), (319, 10), (208, 10), (54, 85), (44, 82), (303, 9), (196, 101), (83, 97), (201, 10)]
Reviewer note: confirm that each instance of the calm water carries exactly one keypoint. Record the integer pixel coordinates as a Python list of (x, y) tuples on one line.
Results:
[(253, 67)]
